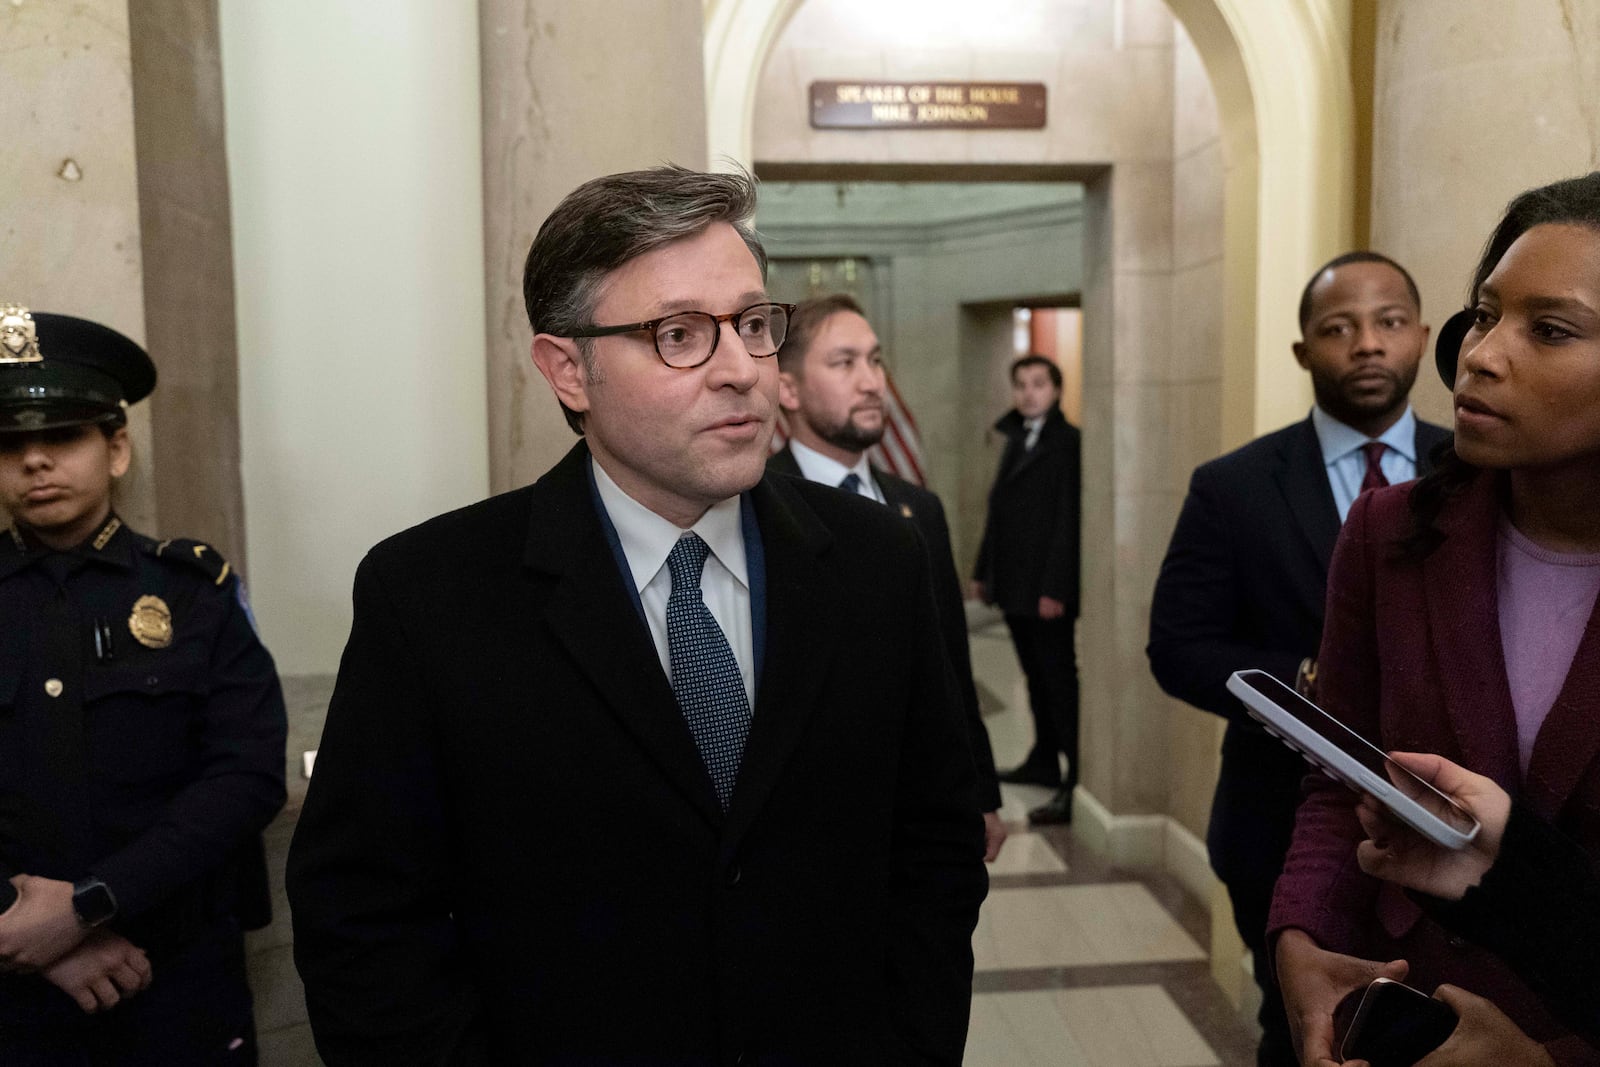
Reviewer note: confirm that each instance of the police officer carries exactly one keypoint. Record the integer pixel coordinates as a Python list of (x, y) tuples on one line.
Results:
[(142, 734)]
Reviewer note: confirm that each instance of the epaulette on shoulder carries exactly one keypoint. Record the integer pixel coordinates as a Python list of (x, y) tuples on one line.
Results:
[(196, 554)]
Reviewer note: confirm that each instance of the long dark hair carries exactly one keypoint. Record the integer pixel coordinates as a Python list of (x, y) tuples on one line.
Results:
[(1575, 200)]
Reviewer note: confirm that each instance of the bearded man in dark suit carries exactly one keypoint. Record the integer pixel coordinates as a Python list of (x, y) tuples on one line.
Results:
[(831, 382), (603, 780), (1246, 573)]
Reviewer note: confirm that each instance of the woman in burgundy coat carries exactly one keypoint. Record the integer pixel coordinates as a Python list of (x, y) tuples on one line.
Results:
[(1461, 621)]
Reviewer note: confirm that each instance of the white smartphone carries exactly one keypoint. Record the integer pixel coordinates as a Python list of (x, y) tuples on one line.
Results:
[(1344, 754)]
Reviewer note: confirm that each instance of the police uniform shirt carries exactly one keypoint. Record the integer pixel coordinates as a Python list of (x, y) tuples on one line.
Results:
[(142, 726)]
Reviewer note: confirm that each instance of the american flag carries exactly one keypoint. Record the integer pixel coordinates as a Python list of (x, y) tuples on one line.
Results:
[(900, 451)]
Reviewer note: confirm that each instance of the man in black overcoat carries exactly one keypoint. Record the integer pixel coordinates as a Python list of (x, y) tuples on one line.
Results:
[(1028, 567), (831, 382), (1245, 575), (606, 776)]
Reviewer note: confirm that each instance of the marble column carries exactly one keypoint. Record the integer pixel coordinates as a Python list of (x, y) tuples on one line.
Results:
[(1476, 100), (572, 89), (188, 271), (69, 219)]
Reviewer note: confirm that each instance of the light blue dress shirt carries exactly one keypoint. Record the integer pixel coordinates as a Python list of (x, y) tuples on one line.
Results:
[(1346, 464)]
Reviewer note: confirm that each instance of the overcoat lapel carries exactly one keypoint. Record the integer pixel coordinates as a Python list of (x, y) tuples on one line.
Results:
[(898, 501), (1459, 578), (783, 462), (1303, 480), (804, 606), (1019, 458), (588, 610)]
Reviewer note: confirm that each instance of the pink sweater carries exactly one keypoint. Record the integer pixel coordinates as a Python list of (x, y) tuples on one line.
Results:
[(1546, 599)]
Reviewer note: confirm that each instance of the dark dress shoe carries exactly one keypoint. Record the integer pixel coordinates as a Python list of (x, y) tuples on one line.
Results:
[(1057, 811), (1031, 774)]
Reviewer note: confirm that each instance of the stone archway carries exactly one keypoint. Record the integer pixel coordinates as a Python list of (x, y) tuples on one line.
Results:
[(1281, 76)]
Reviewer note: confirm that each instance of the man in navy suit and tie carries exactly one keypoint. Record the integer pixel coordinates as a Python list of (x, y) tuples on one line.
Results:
[(604, 780), (831, 382), (1245, 575)]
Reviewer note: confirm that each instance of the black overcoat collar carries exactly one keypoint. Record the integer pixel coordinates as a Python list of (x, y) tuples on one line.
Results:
[(582, 600)]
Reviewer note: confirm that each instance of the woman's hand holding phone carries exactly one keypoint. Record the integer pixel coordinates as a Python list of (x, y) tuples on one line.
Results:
[(1484, 1037), (1395, 852), (1314, 981)]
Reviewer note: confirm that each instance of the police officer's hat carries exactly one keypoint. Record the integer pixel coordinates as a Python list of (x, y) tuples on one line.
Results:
[(56, 370)]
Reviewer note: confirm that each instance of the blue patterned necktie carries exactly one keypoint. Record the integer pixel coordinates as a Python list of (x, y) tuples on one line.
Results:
[(851, 483), (705, 676)]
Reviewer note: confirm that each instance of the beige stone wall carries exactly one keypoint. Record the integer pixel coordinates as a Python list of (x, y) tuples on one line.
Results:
[(1193, 386), (1476, 100), (69, 216), (187, 244), (572, 89)]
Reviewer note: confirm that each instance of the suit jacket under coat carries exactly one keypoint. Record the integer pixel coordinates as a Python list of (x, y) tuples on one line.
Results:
[(1031, 536), (1412, 659), (1243, 585), (511, 851), (923, 508), (1246, 573)]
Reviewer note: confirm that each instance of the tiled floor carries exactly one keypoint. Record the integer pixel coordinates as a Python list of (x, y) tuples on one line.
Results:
[(1097, 1026), (1078, 964)]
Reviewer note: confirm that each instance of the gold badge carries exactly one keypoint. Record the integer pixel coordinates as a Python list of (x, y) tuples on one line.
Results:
[(19, 341), (151, 622), (905, 510)]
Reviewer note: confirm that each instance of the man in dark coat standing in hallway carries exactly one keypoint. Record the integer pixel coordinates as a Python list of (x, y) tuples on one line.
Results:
[(830, 385), (1244, 579), (609, 776), (1028, 567)]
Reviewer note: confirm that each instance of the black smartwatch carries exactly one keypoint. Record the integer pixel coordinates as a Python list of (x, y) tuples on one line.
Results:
[(92, 900)]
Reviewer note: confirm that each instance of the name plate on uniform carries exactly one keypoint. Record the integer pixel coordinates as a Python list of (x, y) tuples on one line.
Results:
[(927, 105)]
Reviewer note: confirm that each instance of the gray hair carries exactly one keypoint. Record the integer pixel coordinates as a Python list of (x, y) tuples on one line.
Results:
[(608, 221)]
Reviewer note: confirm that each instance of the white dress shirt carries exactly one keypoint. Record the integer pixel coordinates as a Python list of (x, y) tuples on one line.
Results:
[(1347, 464), (647, 539), (1033, 426), (819, 468)]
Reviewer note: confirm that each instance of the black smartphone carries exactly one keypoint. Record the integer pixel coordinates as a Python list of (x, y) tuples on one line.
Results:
[(1395, 1025)]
